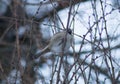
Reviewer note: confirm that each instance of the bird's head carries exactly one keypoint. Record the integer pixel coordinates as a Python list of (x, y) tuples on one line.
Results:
[(69, 31)]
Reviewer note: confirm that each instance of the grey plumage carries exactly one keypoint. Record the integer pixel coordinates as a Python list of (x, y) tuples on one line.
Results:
[(59, 43)]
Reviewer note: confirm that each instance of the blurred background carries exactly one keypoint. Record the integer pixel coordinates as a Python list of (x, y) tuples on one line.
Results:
[(26, 27)]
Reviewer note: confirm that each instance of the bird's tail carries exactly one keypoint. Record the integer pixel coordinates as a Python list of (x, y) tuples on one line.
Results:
[(43, 51)]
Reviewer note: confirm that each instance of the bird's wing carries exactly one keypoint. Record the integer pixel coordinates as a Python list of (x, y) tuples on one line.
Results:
[(58, 36), (61, 41)]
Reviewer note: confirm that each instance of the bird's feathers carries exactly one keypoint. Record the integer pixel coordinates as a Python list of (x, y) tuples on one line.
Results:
[(60, 42)]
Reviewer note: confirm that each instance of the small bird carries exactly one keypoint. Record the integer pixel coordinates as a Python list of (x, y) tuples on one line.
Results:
[(59, 43)]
